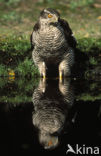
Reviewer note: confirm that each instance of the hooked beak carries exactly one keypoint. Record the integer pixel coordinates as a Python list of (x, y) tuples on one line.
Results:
[(54, 21)]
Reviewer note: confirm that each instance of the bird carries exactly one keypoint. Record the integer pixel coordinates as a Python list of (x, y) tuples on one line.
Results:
[(52, 114), (53, 43)]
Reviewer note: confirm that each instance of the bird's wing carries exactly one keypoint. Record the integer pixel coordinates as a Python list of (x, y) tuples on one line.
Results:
[(31, 41), (68, 33), (32, 37)]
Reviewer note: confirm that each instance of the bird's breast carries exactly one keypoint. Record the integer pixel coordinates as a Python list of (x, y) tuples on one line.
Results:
[(51, 39)]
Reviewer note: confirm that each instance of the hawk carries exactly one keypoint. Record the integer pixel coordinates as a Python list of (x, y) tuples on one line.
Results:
[(53, 43), (52, 112)]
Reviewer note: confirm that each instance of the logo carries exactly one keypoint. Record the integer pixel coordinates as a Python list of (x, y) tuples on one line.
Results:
[(82, 150)]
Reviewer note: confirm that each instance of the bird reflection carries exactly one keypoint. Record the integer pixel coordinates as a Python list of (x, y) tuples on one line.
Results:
[(52, 102)]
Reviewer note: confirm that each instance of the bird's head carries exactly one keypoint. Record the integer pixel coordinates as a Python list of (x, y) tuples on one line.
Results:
[(49, 16)]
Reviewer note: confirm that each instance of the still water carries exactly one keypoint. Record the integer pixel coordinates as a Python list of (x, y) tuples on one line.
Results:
[(46, 116)]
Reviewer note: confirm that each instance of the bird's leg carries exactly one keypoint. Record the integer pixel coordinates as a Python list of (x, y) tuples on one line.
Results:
[(61, 70), (64, 85), (67, 90), (66, 64), (64, 69), (60, 75), (42, 69), (42, 85)]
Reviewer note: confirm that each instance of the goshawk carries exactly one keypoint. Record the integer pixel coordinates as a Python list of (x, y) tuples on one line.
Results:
[(53, 43)]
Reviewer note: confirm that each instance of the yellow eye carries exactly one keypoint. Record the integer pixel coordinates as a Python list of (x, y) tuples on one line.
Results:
[(50, 16), (50, 143)]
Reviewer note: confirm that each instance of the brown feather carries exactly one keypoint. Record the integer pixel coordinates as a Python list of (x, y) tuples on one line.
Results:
[(68, 33)]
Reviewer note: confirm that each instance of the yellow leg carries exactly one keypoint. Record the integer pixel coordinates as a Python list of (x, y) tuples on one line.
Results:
[(60, 76), (44, 76)]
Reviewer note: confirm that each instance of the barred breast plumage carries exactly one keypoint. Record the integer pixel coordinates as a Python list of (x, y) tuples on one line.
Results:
[(51, 38)]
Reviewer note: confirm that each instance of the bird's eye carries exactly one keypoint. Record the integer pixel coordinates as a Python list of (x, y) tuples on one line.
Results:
[(50, 16), (50, 143)]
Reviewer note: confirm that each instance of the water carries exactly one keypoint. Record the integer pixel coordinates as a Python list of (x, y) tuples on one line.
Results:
[(43, 116)]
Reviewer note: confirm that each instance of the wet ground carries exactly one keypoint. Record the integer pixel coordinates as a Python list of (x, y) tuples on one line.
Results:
[(47, 117)]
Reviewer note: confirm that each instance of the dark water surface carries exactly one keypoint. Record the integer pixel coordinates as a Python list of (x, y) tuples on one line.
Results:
[(41, 117)]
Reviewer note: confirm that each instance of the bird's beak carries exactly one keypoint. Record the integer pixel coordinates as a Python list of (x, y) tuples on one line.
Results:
[(55, 19)]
